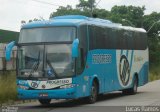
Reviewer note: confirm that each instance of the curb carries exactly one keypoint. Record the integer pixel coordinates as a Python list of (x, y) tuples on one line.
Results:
[(9, 103)]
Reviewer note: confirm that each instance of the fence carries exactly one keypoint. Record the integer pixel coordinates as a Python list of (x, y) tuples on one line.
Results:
[(7, 65)]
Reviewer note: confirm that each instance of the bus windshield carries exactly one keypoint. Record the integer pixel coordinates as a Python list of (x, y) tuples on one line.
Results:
[(49, 34), (53, 61)]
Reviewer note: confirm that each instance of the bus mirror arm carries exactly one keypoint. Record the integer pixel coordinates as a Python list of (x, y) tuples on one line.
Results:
[(75, 45), (8, 50)]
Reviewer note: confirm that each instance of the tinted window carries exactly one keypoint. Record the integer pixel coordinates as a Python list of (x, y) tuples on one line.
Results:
[(114, 38), (83, 48), (50, 34), (92, 39), (140, 41), (99, 37)]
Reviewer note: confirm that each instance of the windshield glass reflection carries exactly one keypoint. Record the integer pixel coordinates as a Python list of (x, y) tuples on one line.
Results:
[(45, 61)]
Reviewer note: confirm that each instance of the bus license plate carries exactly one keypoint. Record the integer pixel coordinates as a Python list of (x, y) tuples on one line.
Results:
[(43, 94)]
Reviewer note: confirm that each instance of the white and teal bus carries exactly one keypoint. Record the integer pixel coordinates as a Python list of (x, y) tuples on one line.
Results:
[(73, 56)]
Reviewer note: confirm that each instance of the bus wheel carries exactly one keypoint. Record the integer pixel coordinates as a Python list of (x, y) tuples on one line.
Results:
[(44, 101), (135, 86), (93, 93), (132, 90)]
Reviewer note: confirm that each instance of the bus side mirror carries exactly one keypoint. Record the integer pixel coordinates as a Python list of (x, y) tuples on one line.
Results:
[(75, 48), (8, 50)]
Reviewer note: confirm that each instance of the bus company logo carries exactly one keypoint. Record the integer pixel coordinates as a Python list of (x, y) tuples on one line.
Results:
[(34, 84), (124, 70), (58, 82)]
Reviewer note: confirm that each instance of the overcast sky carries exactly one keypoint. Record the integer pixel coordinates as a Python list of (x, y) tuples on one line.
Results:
[(12, 12)]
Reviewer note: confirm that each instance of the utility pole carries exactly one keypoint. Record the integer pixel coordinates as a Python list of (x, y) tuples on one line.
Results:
[(90, 3), (91, 8)]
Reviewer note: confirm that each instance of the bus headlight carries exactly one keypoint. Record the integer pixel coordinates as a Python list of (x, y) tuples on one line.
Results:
[(67, 86)]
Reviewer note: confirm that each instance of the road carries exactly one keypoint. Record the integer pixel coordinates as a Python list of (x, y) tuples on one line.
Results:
[(148, 95)]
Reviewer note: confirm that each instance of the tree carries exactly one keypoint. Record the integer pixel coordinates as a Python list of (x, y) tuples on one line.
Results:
[(86, 4), (102, 13), (149, 20), (68, 10), (130, 13), (153, 36)]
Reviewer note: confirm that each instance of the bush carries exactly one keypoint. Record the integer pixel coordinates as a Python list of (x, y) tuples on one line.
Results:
[(154, 73), (7, 86)]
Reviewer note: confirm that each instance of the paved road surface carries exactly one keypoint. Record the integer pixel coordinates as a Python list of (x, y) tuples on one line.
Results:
[(148, 95)]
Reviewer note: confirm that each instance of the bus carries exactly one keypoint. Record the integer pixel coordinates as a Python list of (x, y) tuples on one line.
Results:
[(74, 56)]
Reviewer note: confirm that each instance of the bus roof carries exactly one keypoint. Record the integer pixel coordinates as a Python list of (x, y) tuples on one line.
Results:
[(77, 20)]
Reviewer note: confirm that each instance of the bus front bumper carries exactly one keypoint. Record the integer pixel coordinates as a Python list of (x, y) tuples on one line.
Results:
[(69, 93)]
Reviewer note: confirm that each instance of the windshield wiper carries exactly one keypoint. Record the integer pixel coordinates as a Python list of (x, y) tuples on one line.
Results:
[(35, 66), (50, 65)]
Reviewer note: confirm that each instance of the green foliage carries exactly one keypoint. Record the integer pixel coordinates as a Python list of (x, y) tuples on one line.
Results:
[(65, 11), (68, 10), (7, 36), (154, 72), (117, 13), (102, 13), (149, 20), (130, 13), (83, 4), (153, 36)]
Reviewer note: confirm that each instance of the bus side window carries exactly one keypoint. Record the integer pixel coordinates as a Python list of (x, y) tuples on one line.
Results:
[(121, 39), (114, 38), (83, 48), (130, 40), (144, 35)]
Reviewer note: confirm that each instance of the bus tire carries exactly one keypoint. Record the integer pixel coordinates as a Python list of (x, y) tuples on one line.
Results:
[(44, 101), (93, 93), (133, 90)]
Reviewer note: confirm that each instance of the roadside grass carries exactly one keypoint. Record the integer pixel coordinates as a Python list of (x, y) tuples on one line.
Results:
[(154, 73), (8, 91)]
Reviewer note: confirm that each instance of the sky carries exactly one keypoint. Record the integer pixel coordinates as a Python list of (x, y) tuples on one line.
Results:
[(12, 12)]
